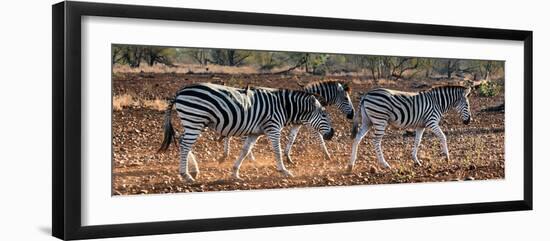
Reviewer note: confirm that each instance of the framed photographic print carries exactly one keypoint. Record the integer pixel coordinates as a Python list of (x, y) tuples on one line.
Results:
[(169, 120)]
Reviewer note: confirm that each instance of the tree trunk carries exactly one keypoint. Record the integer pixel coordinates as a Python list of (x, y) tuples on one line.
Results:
[(449, 70)]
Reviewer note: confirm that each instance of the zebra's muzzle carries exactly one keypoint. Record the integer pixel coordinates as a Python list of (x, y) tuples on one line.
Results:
[(467, 121), (328, 136), (350, 116)]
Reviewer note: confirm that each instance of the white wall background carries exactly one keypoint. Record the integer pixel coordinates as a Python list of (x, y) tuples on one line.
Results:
[(25, 122)]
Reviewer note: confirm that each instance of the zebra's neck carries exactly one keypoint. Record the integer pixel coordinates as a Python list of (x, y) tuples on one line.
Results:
[(327, 90), (296, 105), (444, 98)]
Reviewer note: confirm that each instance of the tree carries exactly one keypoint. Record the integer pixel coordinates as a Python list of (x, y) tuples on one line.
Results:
[(489, 67), (116, 55), (427, 65), (296, 60), (200, 56), (229, 57), (400, 65), (132, 55), (160, 55), (372, 63), (451, 67)]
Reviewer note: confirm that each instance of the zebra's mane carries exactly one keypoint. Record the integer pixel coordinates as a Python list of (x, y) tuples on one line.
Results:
[(303, 92), (318, 97), (346, 86), (436, 87), (444, 101)]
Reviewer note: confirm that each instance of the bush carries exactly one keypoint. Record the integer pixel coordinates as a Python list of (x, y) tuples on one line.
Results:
[(489, 89)]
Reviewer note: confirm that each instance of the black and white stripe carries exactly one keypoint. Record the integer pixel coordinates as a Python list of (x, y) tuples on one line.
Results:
[(247, 112), (382, 107), (331, 93)]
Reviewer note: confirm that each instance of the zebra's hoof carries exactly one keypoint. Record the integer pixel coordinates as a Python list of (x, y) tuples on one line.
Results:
[(222, 159), (289, 160), (195, 175), (236, 177), (327, 158), (287, 173), (349, 170), (187, 178)]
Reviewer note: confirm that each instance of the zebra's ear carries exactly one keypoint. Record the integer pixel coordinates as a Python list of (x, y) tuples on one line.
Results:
[(468, 91), (320, 99), (360, 95), (346, 87)]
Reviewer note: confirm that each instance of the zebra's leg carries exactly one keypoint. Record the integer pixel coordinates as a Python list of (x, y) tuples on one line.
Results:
[(275, 137), (379, 131), (187, 139), (417, 140), (359, 136), (323, 146), (250, 155), (291, 138), (247, 147), (442, 139), (225, 155), (195, 167)]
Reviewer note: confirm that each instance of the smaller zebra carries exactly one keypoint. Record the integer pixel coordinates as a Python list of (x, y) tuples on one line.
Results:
[(330, 92), (382, 107)]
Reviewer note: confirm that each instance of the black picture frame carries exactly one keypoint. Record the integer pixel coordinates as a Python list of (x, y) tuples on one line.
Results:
[(66, 127)]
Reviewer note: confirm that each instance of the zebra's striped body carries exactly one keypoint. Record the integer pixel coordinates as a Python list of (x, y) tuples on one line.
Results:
[(332, 93), (236, 112), (382, 107)]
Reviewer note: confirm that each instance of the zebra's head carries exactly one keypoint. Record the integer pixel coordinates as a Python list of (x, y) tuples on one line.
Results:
[(463, 106), (320, 120), (343, 101)]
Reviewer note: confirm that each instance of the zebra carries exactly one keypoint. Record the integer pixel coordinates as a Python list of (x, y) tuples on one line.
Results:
[(382, 107), (332, 93), (236, 112)]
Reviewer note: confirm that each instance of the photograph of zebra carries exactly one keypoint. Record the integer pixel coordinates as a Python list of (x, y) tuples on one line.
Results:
[(192, 119)]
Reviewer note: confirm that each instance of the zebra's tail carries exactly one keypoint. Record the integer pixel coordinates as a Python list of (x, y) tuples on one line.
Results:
[(169, 133), (356, 119)]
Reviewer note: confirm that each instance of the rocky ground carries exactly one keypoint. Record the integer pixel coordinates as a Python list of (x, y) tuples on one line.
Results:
[(477, 150)]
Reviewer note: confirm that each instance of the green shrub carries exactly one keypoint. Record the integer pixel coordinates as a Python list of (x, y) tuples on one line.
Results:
[(489, 89)]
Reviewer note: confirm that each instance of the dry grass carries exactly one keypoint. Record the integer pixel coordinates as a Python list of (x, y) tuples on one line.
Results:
[(124, 101), (156, 104)]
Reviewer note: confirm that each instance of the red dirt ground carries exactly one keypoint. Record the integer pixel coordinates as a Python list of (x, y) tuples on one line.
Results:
[(477, 150)]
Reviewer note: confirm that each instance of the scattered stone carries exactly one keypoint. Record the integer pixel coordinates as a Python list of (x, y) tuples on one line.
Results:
[(137, 134), (373, 170), (329, 179)]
